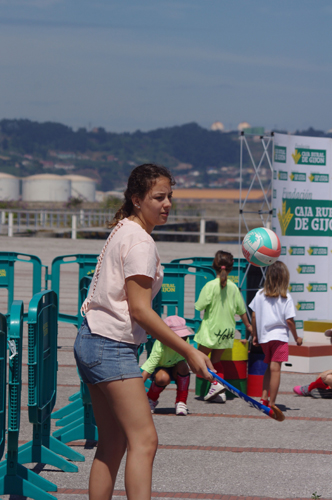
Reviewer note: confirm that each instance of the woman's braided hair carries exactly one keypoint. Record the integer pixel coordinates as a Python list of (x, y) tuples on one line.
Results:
[(140, 181)]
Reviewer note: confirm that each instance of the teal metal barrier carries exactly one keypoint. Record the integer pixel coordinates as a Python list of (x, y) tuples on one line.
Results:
[(237, 275), (3, 369), (172, 293), (42, 380), (80, 424), (86, 266), (77, 419), (15, 479), (7, 272)]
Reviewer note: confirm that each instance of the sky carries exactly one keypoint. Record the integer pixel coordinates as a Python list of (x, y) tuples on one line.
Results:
[(129, 65)]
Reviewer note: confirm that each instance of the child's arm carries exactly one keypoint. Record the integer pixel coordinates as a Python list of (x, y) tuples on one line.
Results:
[(153, 360), (145, 375), (292, 327), (254, 331), (245, 320)]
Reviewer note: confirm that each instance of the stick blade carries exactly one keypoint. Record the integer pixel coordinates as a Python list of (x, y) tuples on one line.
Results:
[(277, 414)]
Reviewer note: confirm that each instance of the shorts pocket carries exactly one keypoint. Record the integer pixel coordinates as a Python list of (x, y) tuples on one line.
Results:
[(91, 349)]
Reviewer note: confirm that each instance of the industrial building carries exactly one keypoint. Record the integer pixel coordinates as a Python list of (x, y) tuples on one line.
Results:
[(9, 187)]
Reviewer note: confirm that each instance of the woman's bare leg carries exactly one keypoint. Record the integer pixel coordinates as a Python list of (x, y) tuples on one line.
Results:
[(129, 406), (111, 447)]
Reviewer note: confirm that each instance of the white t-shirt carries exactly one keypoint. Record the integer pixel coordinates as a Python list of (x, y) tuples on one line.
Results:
[(271, 315), (130, 251)]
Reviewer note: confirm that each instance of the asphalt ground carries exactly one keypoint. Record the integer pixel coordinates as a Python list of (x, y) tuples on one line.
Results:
[(222, 451)]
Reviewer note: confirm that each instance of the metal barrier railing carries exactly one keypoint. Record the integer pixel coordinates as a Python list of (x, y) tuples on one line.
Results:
[(16, 221), (15, 479), (42, 385), (76, 418), (86, 266), (7, 272)]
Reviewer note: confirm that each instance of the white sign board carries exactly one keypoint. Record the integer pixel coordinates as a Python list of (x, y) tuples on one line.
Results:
[(302, 218)]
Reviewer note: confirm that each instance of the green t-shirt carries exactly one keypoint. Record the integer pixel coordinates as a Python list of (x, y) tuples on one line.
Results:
[(161, 356), (220, 306)]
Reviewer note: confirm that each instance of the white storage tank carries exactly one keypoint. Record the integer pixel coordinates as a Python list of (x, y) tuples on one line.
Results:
[(82, 187), (46, 187), (9, 187)]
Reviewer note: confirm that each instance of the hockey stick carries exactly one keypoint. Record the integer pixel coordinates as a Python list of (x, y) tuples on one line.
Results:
[(272, 412)]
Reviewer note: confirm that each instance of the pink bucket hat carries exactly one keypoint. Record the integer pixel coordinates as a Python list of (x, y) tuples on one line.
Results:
[(178, 325)]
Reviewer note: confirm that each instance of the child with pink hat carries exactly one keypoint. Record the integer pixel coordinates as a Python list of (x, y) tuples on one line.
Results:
[(165, 365)]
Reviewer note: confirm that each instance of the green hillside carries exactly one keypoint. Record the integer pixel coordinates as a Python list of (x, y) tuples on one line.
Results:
[(196, 156)]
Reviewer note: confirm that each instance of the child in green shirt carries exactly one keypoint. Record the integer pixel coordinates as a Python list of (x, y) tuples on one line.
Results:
[(221, 300), (165, 365)]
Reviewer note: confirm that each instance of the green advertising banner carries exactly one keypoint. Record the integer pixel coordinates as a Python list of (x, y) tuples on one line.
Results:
[(306, 218), (309, 156)]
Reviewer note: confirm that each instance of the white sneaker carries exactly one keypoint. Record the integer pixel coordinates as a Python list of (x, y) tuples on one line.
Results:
[(153, 404), (215, 389), (181, 408), (221, 398)]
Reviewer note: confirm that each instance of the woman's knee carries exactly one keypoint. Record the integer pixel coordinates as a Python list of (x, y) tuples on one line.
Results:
[(145, 443)]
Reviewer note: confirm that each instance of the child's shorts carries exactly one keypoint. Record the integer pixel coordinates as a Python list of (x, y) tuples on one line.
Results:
[(275, 350)]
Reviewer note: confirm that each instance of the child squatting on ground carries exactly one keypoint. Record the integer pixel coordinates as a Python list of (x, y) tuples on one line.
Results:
[(221, 300), (164, 365), (272, 319), (322, 386)]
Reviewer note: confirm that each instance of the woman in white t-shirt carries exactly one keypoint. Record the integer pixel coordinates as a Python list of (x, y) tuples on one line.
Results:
[(118, 314), (272, 319)]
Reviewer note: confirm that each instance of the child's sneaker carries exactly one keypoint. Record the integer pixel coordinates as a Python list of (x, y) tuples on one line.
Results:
[(321, 393), (152, 404), (221, 398), (215, 389), (302, 390), (265, 402), (181, 408)]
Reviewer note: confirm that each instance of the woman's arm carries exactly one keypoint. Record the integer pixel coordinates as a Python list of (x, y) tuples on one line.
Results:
[(139, 298)]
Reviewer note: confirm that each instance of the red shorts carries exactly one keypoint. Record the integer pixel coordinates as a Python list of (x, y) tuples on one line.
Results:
[(275, 350)]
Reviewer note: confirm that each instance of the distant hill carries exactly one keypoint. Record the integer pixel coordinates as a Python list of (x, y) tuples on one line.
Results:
[(196, 156)]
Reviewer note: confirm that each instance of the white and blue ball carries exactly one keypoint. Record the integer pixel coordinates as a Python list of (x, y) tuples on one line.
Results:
[(261, 247)]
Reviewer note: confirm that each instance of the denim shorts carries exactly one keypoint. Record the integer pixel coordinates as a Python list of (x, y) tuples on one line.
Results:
[(100, 359)]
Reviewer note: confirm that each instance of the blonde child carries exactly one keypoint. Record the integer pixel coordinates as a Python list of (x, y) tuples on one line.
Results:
[(221, 300), (272, 319), (164, 365)]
